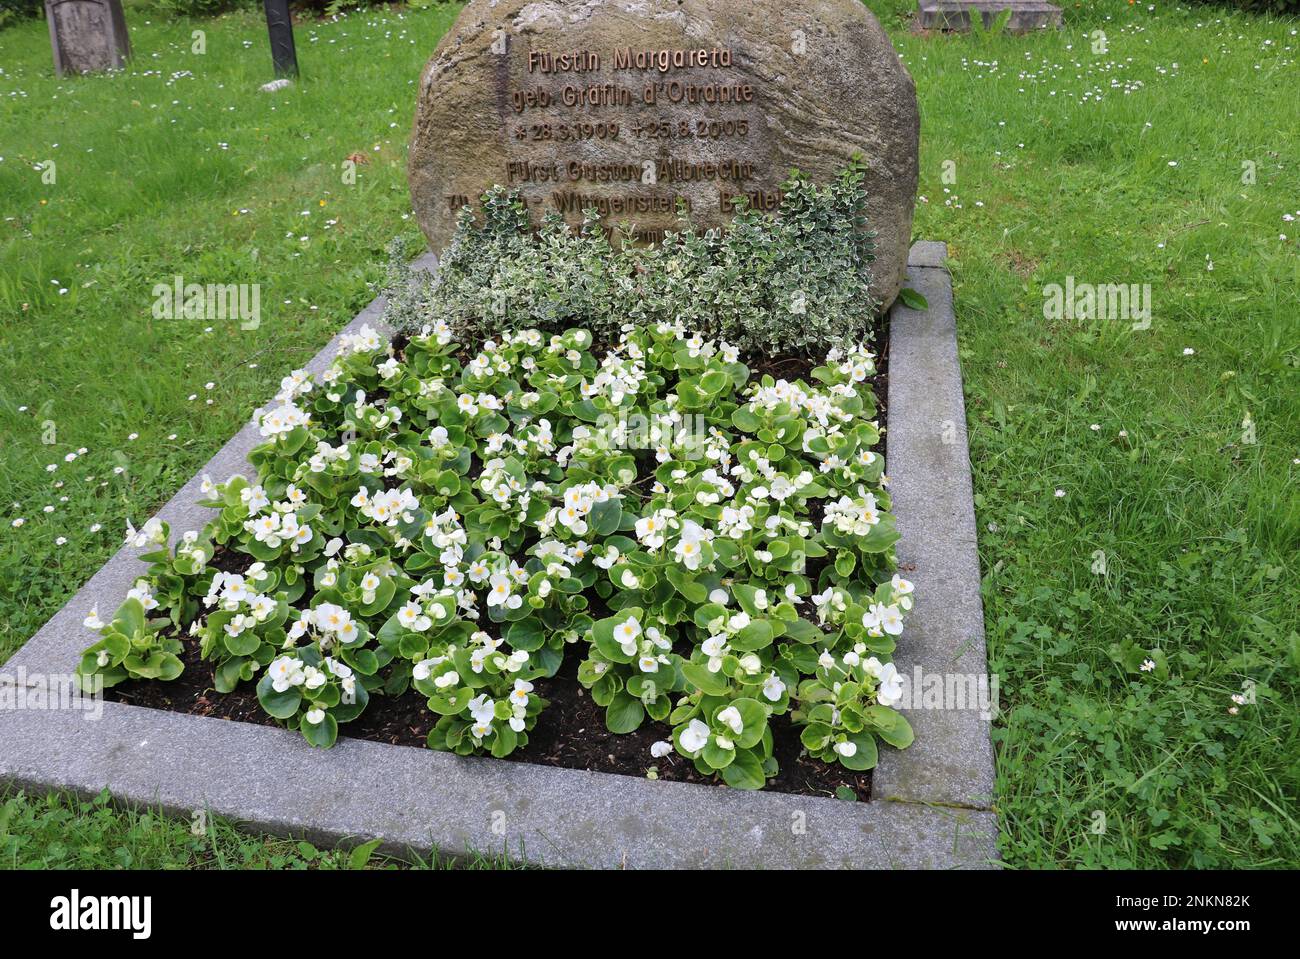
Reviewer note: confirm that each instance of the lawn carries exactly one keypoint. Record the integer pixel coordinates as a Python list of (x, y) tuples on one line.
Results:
[(1134, 486)]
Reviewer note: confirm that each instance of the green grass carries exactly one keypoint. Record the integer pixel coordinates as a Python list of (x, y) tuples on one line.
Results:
[(179, 166), (1059, 172), (65, 832), (1200, 531)]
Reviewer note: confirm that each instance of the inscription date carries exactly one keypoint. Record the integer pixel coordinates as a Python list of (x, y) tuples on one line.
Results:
[(567, 132), (699, 129)]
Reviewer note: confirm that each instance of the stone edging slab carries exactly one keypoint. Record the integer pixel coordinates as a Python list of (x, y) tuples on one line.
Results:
[(931, 807), (928, 463)]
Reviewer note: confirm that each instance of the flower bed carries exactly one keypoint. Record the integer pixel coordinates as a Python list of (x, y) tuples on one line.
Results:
[(711, 549)]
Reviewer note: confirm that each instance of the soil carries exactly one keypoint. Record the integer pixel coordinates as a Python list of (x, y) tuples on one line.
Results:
[(570, 732)]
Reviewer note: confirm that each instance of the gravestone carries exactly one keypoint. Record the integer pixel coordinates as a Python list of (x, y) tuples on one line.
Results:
[(639, 107), (279, 25), (87, 36), (1026, 15)]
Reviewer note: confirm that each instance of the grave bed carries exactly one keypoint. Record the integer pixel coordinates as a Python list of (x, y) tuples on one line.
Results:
[(930, 805)]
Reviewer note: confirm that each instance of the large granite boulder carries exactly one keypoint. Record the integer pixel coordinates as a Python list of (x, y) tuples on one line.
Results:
[(639, 106)]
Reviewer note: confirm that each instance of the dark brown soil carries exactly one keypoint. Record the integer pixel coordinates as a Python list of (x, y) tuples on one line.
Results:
[(570, 732)]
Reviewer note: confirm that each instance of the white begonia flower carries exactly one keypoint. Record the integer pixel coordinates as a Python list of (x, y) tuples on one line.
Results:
[(286, 672), (846, 749), (782, 489), (420, 671), (348, 633), (661, 749), (715, 647), (501, 592), (255, 498), (687, 550), (519, 695), (144, 593), (263, 607), (482, 709), (292, 532), (412, 617), (891, 620), (150, 533), (732, 719), (304, 621), (282, 420), (822, 601), (92, 620), (315, 716), (773, 687), (626, 634), (872, 618), (695, 736), (331, 618), (890, 692), (650, 530), (826, 660)]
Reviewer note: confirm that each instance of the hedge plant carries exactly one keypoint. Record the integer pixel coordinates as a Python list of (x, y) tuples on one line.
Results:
[(797, 280)]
